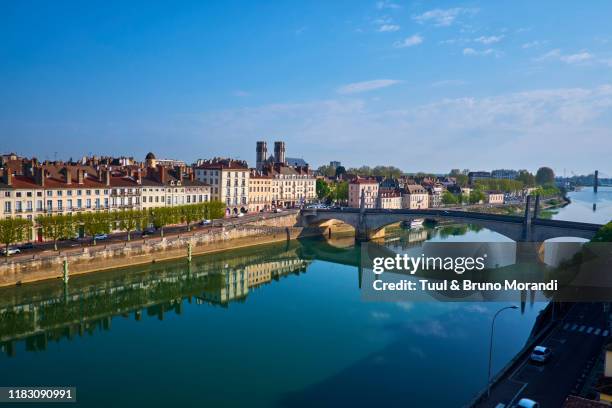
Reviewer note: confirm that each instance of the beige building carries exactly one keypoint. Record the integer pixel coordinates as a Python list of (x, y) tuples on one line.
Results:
[(229, 182), (390, 200), (365, 186), (415, 197), (262, 190), (291, 186)]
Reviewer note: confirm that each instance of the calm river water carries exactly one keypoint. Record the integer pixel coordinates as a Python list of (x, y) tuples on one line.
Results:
[(277, 325)]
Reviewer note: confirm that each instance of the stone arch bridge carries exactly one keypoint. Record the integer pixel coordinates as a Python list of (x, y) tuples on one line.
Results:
[(371, 223)]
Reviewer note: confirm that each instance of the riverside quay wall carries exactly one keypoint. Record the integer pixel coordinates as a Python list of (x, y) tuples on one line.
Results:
[(50, 264)]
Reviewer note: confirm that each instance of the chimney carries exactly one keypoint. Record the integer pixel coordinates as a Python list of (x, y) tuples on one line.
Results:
[(7, 177), (39, 175), (139, 176), (80, 176), (107, 176), (68, 175), (162, 174), (192, 176)]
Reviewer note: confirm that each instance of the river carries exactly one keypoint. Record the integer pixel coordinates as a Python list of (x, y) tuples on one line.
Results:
[(274, 325)]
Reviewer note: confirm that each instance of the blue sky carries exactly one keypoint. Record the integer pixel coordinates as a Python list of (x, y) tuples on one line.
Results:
[(421, 85)]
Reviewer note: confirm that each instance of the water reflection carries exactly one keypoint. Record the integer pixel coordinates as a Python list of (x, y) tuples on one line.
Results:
[(37, 314)]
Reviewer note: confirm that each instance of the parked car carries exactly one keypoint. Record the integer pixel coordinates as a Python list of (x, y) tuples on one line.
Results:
[(541, 354), (11, 251), (527, 403), (278, 210), (27, 245), (148, 231), (240, 215), (205, 222), (100, 237)]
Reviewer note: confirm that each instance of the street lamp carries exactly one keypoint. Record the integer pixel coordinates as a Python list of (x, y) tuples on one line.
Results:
[(491, 346)]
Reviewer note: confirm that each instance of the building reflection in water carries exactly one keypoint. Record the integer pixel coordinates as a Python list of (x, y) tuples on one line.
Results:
[(41, 313)]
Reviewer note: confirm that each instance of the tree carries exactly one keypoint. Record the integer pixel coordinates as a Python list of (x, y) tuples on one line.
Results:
[(526, 178), (449, 198), (322, 188), (190, 213), (461, 180), (56, 227), (95, 223), (476, 196), (128, 220), (545, 176), (216, 210), (13, 230), (327, 171), (340, 170), (341, 191)]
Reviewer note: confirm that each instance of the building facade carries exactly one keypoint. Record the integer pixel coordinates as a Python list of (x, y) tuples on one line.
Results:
[(366, 186)]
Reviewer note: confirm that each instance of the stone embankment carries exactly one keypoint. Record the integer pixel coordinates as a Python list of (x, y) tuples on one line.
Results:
[(50, 264)]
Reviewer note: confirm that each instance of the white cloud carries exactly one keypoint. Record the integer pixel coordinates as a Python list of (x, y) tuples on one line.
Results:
[(386, 4), (388, 28), (556, 54), (516, 128), (409, 41), (443, 17), (576, 58), (489, 40), (533, 44), (488, 51), (365, 86)]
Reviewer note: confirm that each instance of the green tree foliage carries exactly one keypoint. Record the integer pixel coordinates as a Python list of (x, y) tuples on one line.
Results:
[(340, 170), (215, 209), (95, 223), (323, 189), (327, 171), (56, 227), (604, 234), (476, 196), (545, 176), (547, 191), (449, 198), (500, 185), (13, 230), (128, 220), (526, 178), (341, 191)]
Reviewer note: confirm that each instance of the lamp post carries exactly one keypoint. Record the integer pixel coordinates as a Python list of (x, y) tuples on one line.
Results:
[(491, 346)]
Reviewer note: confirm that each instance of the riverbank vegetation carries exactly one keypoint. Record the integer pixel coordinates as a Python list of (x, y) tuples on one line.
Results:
[(67, 226)]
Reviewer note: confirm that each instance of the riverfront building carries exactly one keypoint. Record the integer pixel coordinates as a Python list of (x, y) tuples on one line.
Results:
[(229, 181)]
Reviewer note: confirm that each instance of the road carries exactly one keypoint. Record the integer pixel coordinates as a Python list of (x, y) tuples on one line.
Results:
[(48, 247), (577, 342)]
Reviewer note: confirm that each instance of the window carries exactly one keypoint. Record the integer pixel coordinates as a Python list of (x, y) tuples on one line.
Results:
[(7, 193), (59, 205), (106, 202), (69, 204), (79, 203), (69, 193), (29, 205), (18, 206), (29, 194), (97, 192), (18, 194), (39, 194), (88, 203), (97, 203), (39, 205), (7, 207), (79, 192), (49, 205), (59, 193), (49, 193), (88, 192)]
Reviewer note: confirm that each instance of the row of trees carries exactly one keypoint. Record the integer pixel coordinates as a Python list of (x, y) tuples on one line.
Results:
[(474, 197), (66, 226)]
